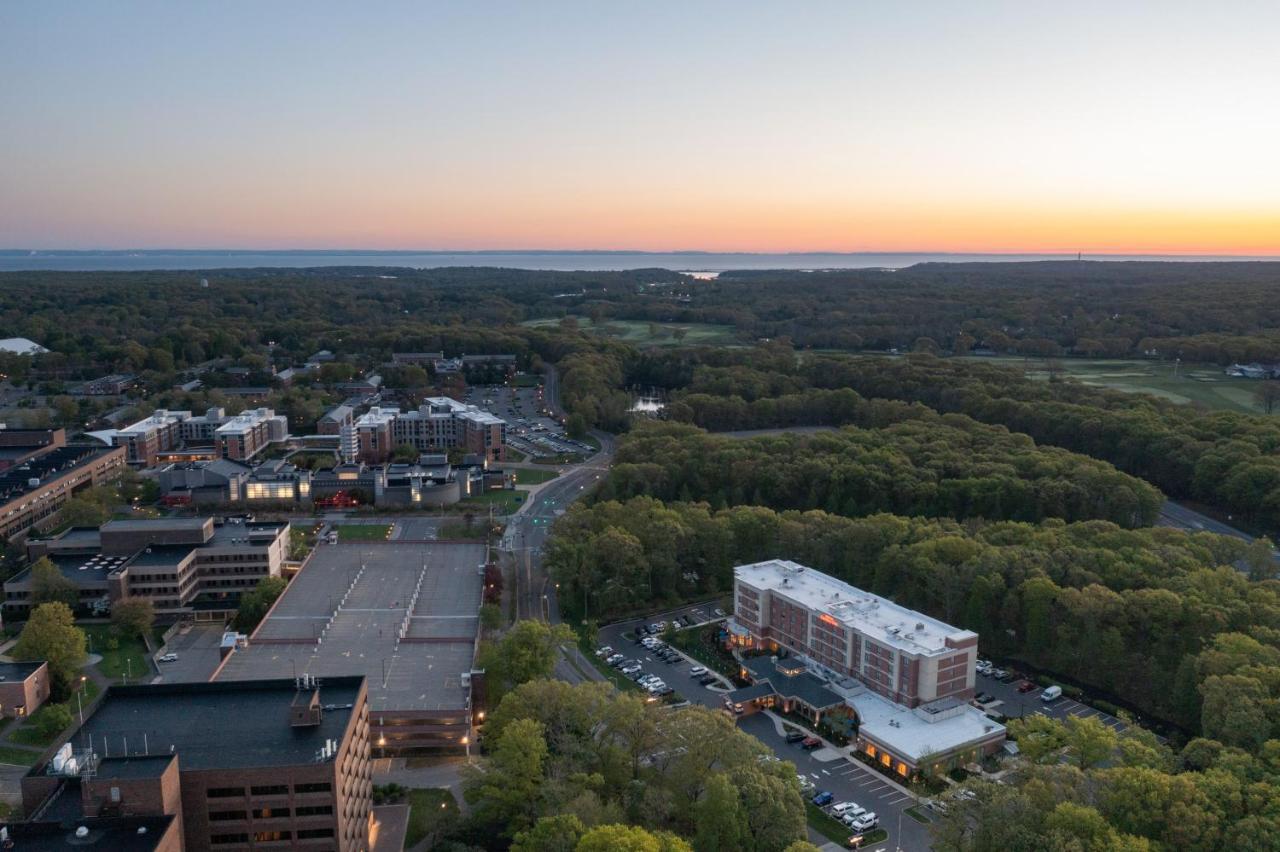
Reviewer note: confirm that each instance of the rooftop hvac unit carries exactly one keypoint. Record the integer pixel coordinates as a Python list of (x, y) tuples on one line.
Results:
[(33, 482)]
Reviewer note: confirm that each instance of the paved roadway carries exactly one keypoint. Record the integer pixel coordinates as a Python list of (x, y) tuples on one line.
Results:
[(846, 779), (1180, 517)]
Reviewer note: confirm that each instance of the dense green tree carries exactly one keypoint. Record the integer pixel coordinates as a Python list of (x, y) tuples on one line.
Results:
[(255, 603), (48, 584), (50, 634), (133, 616)]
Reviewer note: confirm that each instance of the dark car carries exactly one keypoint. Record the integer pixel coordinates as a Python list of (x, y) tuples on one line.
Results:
[(822, 799), (983, 698), (1026, 686), (795, 736), (810, 743), (707, 680)]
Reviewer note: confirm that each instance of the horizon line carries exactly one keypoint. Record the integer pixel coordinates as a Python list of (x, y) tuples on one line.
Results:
[(29, 252)]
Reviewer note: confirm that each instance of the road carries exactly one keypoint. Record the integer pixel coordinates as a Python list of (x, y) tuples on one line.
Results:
[(847, 780), (1180, 517)]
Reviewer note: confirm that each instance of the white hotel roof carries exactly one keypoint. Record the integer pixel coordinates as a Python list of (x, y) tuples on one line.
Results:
[(878, 618), (907, 733)]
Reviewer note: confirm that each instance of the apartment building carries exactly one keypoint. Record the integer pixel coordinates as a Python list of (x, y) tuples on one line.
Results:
[(242, 437), (441, 423), (902, 655), (196, 566), (374, 436), (265, 764), (45, 476)]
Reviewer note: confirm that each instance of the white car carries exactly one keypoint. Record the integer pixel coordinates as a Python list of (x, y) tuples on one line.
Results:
[(646, 679), (655, 686), (604, 652), (630, 669), (698, 670), (843, 809), (169, 658), (615, 659), (866, 822)]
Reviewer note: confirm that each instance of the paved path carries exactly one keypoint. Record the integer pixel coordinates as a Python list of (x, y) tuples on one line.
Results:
[(390, 825)]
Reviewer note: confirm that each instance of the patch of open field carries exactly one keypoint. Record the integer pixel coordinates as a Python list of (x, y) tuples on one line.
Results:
[(643, 333), (1205, 384)]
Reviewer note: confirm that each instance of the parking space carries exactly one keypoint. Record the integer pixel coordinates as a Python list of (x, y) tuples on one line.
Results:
[(416, 529), (530, 427), (198, 653), (1016, 704)]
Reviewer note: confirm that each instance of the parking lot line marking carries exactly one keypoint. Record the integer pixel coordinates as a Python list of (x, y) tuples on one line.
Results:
[(825, 772), (899, 799)]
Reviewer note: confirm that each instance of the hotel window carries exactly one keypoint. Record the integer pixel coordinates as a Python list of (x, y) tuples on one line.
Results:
[(271, 790), (223, 816), (224, 792), (229, 838), (268, 836), (270, 813)]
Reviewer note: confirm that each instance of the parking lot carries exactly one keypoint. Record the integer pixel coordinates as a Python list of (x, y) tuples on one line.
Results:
[(828, 770), (529, 430), (1015, 704), (198, 654)]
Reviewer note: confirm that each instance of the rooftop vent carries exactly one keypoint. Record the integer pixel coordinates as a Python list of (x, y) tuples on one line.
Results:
[(82, 832)]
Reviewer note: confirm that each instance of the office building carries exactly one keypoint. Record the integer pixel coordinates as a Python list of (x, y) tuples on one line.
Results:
[(24, 687), (43, 473), (193, 566), (276, 764)]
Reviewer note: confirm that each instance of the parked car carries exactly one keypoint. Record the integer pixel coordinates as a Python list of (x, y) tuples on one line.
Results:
[(810, 743), (604, 652), (1026, 686), (997, 673), (1051, 694), (795, 736), (866, 822), (631, 668), (822, 799), (698, 670), (842, 809), (708, 679), (615, 659), (719, 612), (655, 628), (169, 658), (805, 784), (983, 698)]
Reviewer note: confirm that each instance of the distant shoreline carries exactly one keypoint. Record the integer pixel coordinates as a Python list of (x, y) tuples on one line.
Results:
[(124, 260)]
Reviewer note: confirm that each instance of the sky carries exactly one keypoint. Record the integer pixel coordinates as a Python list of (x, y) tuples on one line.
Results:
[(736, 126)]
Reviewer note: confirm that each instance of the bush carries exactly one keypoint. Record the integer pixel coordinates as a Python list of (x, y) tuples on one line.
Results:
[(1106, 707), (52, 721)]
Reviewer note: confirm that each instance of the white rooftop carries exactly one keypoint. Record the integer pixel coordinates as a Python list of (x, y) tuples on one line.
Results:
[(160, 417), (246, 420), (910, 733), (459, 409), (377, 416), (878, 618)]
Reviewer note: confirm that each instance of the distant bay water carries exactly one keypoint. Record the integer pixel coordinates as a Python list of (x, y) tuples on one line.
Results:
[(706, 262)]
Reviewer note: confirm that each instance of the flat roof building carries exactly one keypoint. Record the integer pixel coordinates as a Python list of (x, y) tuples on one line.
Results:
[(274, 763), (406, 616), (36, 487)]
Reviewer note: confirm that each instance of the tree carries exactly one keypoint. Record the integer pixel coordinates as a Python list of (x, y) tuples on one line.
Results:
[(133, 616), (507, 794), (575, 426), (801, 846), (718, 817), (254, 604), (53, 720), (1267, 394), (1235, 710), (1040, 739), (51, 635), (1089, 742), (405, 454), (490, 616), (48, 584), (1260, 558), (529, 650), (558, 833), (629, 838), (82, 512)]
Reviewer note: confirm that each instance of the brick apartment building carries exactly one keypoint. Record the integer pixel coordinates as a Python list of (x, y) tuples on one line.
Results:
[(44, 471), (183, 565), (439, 424), (904, 656), (268, 764), (238, 437)]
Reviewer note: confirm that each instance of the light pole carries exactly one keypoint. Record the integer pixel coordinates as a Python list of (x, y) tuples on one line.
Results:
[(79, 705)]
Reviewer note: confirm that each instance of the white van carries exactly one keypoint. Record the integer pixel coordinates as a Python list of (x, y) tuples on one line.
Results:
[(1051, 694)]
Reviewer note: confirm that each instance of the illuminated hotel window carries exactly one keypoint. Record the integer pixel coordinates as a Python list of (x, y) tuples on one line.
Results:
[(902, 768), (886, 760)]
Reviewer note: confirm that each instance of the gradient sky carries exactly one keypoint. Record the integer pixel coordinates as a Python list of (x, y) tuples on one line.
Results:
[(842, 126)]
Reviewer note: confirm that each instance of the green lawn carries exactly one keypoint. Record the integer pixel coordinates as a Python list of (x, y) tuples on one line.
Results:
[(514, 455), (362, 532), (128, 658), (17, 756), (429, 811), (1199, 383), (525, 476), (643, 333), (824, 824), (29, 732)]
